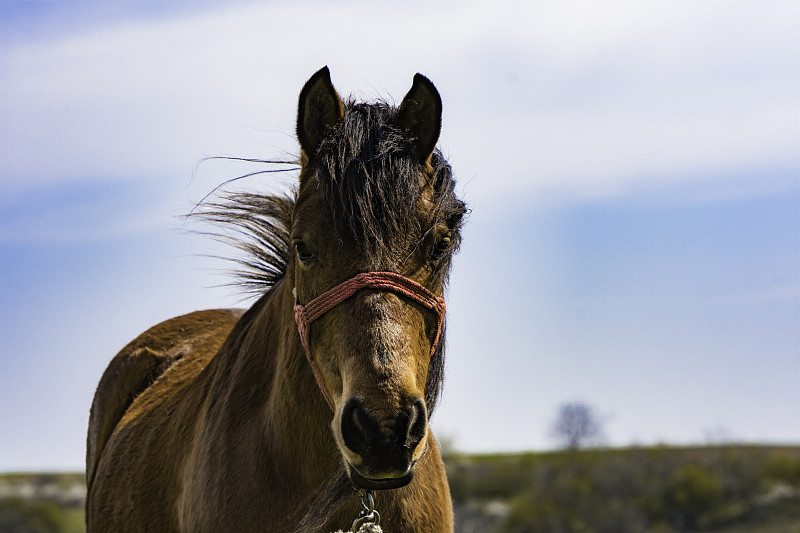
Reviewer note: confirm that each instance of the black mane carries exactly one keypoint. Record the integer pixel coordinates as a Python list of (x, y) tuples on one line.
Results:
[(257, 225)]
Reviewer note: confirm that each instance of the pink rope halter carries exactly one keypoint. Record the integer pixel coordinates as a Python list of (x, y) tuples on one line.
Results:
[(304, 315)]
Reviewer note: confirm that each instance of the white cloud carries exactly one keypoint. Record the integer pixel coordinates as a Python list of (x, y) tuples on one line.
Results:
[(622, 95), (582, 97)]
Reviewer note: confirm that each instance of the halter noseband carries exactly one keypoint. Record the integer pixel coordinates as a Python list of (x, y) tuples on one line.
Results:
[(304, 315)]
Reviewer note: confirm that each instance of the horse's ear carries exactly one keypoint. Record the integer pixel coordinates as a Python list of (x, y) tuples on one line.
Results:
[(319, 108), (421, 114)]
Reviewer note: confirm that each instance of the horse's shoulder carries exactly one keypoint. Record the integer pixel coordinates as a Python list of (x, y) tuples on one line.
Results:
[(145, 359)]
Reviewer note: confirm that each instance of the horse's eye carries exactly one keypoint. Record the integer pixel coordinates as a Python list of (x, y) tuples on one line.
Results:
[(440, 247), (305, 254)]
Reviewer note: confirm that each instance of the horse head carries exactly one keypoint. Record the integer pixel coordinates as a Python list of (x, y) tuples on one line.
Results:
[(374, 228)]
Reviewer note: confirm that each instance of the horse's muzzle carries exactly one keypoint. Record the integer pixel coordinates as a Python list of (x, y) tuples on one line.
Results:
[(386, 449)]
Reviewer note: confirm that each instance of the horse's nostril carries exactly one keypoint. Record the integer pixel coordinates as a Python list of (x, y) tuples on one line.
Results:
[(359, 430), (417, 424)]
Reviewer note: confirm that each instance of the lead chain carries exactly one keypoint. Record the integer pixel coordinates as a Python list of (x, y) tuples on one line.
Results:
[(368, 514)]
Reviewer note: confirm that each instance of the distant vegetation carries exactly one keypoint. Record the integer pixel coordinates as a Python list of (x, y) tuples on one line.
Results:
[(659, 490), (42, 503), (725, 489)]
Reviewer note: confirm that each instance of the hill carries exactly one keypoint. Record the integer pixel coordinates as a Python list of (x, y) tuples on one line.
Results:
[(724, 489), (731, 489)]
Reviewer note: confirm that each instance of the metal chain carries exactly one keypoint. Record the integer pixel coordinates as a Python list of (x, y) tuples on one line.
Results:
[(368, 514)]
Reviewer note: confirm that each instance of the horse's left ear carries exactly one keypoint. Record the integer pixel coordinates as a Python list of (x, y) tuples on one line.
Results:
[(421, 114), (320, 107)]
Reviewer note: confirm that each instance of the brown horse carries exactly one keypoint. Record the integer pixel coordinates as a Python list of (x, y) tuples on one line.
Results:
[(270, 419)]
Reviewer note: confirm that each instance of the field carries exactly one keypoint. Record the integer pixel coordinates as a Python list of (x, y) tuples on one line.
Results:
[(726, 489), (730, 489)]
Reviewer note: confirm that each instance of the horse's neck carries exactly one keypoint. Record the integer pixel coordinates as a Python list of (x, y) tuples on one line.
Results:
[(270, 389)]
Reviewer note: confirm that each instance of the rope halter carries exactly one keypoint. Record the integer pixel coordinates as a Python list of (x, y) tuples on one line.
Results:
[(304, 315)]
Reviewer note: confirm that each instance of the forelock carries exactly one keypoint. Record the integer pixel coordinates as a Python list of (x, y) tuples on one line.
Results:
[(369, 177)]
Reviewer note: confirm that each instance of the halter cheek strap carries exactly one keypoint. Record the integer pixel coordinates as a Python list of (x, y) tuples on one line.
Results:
[(304, 315)]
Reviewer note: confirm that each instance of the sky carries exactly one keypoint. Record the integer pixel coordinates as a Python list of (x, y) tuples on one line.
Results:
[(632, 170)]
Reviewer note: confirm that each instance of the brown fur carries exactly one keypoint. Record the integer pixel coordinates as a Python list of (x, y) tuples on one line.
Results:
[(213, 422)]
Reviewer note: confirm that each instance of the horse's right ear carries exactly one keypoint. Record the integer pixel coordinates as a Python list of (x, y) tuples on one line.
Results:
[(319, 109)]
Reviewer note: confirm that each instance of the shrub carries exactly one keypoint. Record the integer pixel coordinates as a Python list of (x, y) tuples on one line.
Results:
[(691, 497), (782, 468), (18, 516)]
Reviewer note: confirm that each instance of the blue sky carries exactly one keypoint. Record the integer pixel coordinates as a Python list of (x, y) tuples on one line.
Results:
[(633, 171)]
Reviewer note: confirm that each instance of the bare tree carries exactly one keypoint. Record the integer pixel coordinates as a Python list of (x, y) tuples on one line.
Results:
[(577, 425)]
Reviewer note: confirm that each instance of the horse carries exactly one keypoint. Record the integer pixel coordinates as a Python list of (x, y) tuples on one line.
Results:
[(278, 417)]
